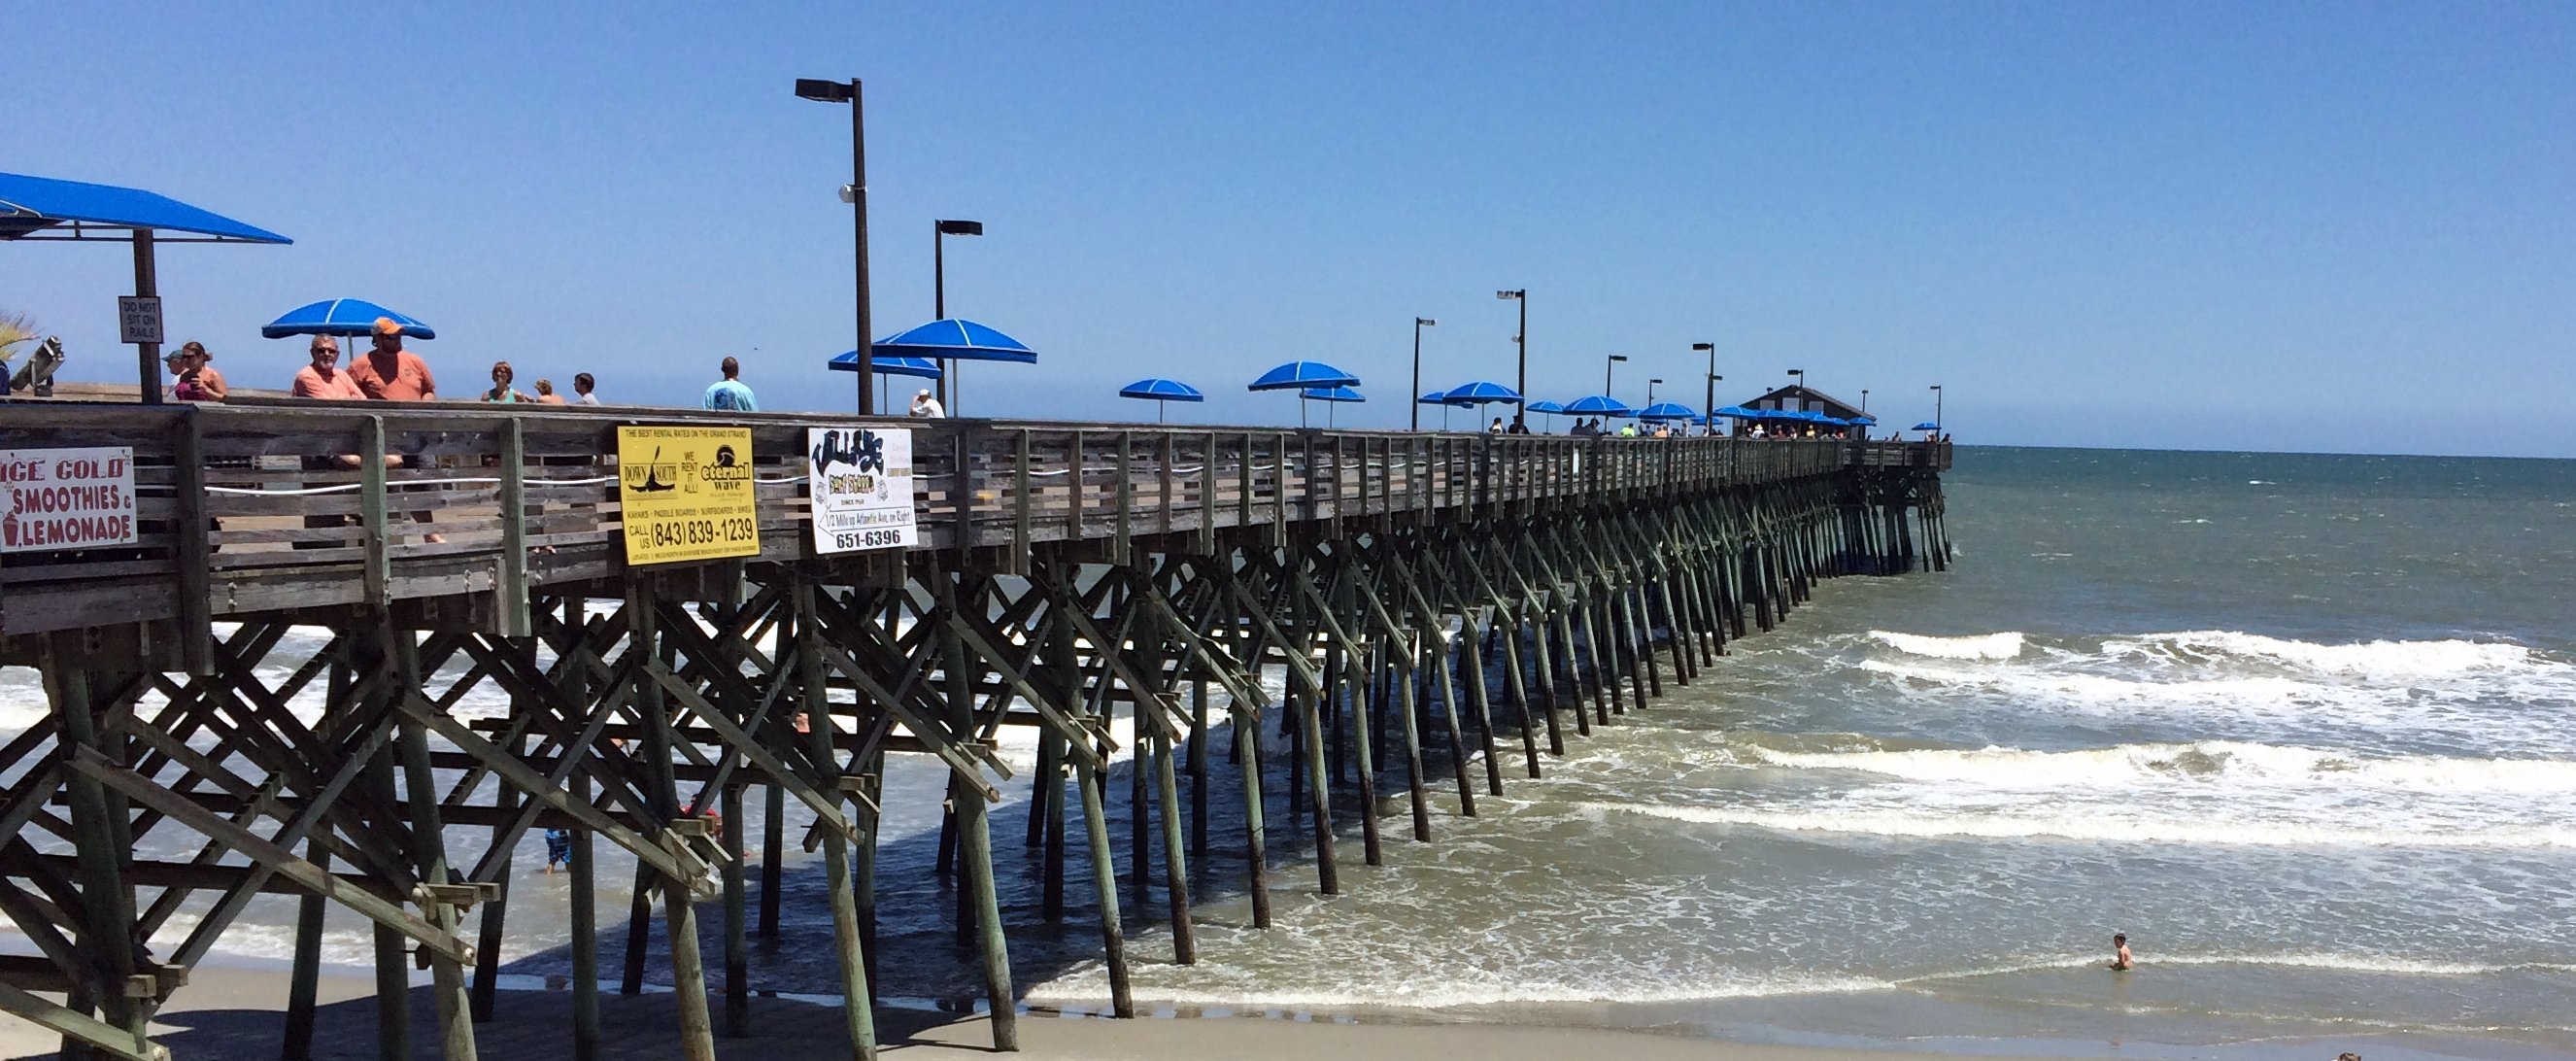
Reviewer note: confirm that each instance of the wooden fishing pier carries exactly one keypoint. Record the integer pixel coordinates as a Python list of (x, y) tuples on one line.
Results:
[(1062, 575)]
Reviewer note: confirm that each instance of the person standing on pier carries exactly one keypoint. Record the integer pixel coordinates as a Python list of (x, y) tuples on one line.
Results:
[(581, 385), (389, 373), (210, 384), (926, 407), (502, 391), (323, 378), (730, 394)]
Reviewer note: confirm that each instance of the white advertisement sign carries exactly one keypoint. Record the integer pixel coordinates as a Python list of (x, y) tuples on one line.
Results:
[(862, 489), (66, 498)]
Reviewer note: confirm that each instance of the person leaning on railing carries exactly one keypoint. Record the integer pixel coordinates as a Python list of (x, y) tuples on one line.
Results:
[(389, 373)]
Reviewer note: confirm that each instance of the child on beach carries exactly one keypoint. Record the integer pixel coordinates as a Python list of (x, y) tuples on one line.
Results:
[(558, 849), (2120, 960)]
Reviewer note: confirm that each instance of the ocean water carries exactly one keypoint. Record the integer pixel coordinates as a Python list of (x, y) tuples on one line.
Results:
[(2304, 727)]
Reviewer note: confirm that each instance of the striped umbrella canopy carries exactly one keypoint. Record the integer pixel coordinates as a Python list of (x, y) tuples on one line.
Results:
[(955, 339), (1303, 375), (1160, 390), (341, 317), (1484, 393), (1598, 405)]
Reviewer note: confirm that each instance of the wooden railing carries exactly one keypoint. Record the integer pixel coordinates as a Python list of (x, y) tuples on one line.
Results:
[(293, 508)]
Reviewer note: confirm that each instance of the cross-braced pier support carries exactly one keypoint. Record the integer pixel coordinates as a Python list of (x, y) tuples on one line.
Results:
[(350, 754)]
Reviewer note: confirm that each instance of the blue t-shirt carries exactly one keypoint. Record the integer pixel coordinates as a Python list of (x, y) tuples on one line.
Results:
[(732, 396)]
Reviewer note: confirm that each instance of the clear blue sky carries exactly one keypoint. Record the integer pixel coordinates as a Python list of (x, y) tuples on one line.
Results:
[(2274, 226)]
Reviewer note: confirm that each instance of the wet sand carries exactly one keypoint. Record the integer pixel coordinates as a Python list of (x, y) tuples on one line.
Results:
[(239, 1014)]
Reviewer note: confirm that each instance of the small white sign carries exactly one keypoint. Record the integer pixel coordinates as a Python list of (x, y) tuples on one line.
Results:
[(138, 318), (66, 498), (861, 488)]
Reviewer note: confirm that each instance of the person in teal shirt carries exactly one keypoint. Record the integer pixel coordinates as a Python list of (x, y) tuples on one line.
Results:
[(730, 394)]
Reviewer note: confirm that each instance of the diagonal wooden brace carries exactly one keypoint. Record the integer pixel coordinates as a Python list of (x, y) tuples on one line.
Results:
[(281, 861)]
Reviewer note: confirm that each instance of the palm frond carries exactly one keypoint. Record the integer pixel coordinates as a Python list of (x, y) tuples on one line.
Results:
[(16, 328)]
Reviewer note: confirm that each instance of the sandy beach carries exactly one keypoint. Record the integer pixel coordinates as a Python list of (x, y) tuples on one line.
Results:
[(233, 1014)]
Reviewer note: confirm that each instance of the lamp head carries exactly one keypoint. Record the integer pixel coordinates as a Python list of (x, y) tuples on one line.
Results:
[(1709, 347), (1618, 357), (1654, 381), (961, 228), (824, 91), (1509, 295)]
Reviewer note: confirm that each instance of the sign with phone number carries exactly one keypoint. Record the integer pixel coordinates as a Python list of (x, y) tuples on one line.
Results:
[(686, 493), (861, 486)]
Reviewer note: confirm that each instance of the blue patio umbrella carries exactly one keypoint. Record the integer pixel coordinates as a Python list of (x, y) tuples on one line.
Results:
[(1330, 395), (1484, 393), (955, 339), (1546, 409), (1441, 399), (1665, 411), (1926, 426), (886, 366), (1303, 375), (1598, 405), (1161, 390), (341, 317)]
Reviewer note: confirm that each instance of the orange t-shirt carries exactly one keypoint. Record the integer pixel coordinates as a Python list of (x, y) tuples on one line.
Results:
[(341, 386), (409, 382)]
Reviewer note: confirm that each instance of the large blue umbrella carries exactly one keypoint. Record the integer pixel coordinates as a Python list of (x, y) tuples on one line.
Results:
[(1483, 393), (342, 317), (1663, 411), (1737, 412), (1302, 375), (1926, 426), (1331, 395), (955, 339), (1161, 390), (1598, 405)]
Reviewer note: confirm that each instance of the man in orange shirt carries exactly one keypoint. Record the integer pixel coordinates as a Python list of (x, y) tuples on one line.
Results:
[(389, 373), (323, 378)]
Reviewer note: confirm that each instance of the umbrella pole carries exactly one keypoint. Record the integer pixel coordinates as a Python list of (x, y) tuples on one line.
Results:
[(1162, 413)]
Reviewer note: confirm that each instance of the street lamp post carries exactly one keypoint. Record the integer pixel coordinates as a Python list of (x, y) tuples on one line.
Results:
[(1708, 401), (1520, 342), (940, 231), (1606, 367), (855, 194), (1801, 374), (1936, 409), (1711, 412), (1419, 323), (1864, 401), (1651, 384)]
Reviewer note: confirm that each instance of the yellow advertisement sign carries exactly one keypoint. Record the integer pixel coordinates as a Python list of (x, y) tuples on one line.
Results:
[(687, 493)]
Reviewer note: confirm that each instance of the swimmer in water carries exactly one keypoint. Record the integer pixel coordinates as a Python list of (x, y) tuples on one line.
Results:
[(2120, 960)]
